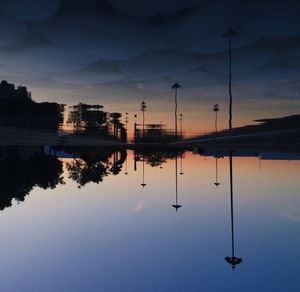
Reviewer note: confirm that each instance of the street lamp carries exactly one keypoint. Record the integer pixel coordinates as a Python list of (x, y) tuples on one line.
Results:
[(233, 260), (216, 109), (175, 86), (230, 34)]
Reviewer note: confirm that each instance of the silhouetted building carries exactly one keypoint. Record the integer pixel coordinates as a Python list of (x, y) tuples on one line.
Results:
[(8, 91)]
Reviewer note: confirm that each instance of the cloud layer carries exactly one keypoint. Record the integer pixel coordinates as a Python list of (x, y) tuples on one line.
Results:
[(148, 44)]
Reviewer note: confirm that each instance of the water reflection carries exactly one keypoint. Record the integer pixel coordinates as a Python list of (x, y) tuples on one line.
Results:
[(21, 169), (232, 260), (120, 220), (176, 206), (217, 176)]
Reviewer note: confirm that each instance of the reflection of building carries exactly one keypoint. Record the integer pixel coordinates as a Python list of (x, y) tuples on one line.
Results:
[(8, 91), (153, 133)]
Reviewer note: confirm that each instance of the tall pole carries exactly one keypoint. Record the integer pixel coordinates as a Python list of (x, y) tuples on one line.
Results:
[(176, 112), (230, 83), (233, 260), (175, 87), (176, 206), (180, 115), (143, 109), (216, 109), (229, 34), (217, 179), (126, 124), (143, 184), (181, 170)]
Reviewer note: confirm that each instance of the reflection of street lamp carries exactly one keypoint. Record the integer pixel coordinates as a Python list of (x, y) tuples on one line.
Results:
[(135, 130), (233, 260), (176, 206), (175, 86), (143, 184), (216, 109), (143, 109), (230, 34), (181, 171), (126, 171), (126, 124), (180, 119), (217, 182)]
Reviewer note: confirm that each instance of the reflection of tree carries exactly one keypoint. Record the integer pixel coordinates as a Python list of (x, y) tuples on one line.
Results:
[(88, 170), (18, 177), (93, 165)]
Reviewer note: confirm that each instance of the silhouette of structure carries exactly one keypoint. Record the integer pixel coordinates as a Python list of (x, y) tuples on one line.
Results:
[(126, 166), (143, 109), (143, 184), (217, 178), (180, 120), (176, 205), (232, 260), (91, 120), (126, 123), (230, 34), (176, 86), (17, 109), (181, 168), (153, 133), (8, 91), (216, 110)]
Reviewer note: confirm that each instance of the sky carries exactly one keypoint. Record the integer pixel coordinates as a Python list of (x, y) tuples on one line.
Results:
[(118, 53)]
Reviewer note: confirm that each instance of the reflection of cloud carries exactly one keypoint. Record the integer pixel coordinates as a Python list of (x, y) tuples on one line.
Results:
[(30, 10), (138, 208), (11, 30), (201, 31), (271, 18), (106, 36), (291, 213), (150, 7)]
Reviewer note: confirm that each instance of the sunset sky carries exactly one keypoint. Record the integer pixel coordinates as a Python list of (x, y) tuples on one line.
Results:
[(118, 53)]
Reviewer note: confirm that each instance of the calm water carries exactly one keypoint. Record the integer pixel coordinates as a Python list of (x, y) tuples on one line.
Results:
[(122, 232)]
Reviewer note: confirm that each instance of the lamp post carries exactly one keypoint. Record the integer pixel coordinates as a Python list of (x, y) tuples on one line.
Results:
[(216, 109), (217, 179), (176, 206), (180, 119), (143, 109), (233, 260), (230, 34), (143, 184), (176, 86)]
